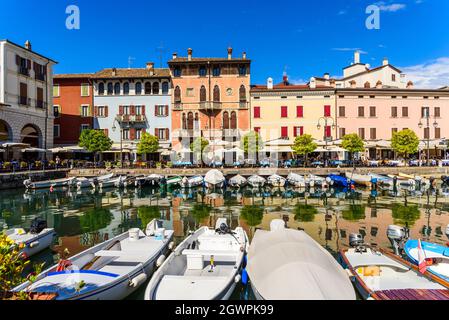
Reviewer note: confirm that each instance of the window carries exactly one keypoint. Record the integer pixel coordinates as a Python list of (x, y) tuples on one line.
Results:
[(361, 113), (161, 110), (342, 132), (23, 98), (257, 129), (372, 112), (147, 88), (437, 133), (216, 71), (56, 131), (101, 89), (85, 127), (437, 112), (138, 88), (85, 90), (110, 88), (425, 112), (242, 93), (242, 70), (39, 98), (426, 133), (362, 133), (138, 134), (298, 131), (190, 121), (126, 88), (216, 94), (257, 112), (117, 88), (405, 112), (226, 120), (203, 94), (125, 134), (138, 110), (177, 94), (156, 88), (165, 87), (284, 112), (341, 112), (394, 112), (177, 72), (202, 72), (85, 111), (284, 132), (299, 111), (102, 111), (56, 111), (125, 110), (393, 77), (233, 120), (373, 133), (327, 111), (56, 90), (162, 134)]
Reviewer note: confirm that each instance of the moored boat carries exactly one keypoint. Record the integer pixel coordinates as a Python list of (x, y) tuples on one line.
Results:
[(92, 182), (192, 182), (276, 181), (111, 270), (117, 182), (287, 264), (316, 181), (256, 181), (296, 180), (238, 181), (205, 266), (65, 182), (360, 179), (340, 181), (214, 179)]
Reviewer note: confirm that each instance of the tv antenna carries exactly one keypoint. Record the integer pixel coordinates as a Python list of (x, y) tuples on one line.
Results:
[(130, 61), (161, 50)]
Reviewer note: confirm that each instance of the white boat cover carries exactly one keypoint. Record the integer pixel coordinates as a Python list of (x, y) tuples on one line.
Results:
[(256, 179), (289, 265), (237, 180), (214, 177)]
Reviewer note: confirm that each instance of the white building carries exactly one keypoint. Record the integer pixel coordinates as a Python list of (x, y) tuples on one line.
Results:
[(133, 101), (26, 80)]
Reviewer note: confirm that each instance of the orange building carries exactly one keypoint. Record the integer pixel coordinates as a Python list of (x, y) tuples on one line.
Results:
[(210, 98)]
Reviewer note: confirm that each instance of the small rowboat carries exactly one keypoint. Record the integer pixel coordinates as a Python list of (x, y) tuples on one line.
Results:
[(118, 182), (256, 181), (296, 180), (380, 275), (238, 182), (205, 266), (276, 181), (66, 182), (192, 182), (111, 270), (92, 182), (360, 179), (214, 179)]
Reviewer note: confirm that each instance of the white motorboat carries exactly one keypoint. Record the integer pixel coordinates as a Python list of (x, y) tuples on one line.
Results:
[(287, 264), (256, 181), (360, 179), (111, 270), (214, 179), (192, 182), (205, 266), (276, 181), (238, 181), (92, 182), (382, 180), (117, 182), (152, 180), (313, 180), (296, 180), (65, 182), (36, 240)]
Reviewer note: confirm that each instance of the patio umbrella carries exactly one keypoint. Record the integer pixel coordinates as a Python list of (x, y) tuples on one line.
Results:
[(34, 150), (15, 145)]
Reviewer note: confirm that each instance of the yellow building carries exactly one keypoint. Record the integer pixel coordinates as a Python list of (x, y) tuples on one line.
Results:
[(287, 111)]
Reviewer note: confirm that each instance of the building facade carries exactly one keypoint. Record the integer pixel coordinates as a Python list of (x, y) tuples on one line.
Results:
[(130, 102), (26, 79), (210, 98), (72, 107)]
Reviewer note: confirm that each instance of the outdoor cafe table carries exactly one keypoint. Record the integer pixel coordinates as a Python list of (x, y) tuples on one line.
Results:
[(445, 162), (317, 163), (394, 163), (373, 163)]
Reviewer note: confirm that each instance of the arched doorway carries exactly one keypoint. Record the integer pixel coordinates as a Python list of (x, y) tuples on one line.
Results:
[(30, 135), (5, 132)]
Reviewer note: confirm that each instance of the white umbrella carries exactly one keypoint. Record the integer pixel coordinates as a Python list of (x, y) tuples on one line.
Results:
[(15, 145), (34, 150)]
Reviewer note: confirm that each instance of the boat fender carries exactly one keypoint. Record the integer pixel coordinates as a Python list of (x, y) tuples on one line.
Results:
[(244, 277), (171, 246), (237, 278), (137, 281), (160, 261), (34, 244)]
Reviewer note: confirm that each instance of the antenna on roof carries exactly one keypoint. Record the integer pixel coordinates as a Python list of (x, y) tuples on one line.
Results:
[(161, 50), (130, 61)]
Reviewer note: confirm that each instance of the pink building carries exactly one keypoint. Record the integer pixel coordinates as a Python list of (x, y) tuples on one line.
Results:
[(374, 114)]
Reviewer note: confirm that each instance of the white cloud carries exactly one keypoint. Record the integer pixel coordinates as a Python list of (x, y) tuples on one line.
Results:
[(431, 74), (390, 7)]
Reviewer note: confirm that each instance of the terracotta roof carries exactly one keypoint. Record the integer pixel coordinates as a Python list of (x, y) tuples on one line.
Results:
[(204, 60), (131, 73), (283, 87), (369, 71), (73, 76)]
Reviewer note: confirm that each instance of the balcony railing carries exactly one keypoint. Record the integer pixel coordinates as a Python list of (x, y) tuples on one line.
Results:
[(183, 133), (131, 118), (24, 71), (243, 104), (40, 77), (231, 133), (24, 101), (177, 106), (208, 105)]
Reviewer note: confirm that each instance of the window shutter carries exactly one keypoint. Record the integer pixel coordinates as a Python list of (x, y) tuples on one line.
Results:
[(120, 108), (81, 110), (144, 130), (156, 133), (301, 131), (327, 111), (106, 111), (132, 132), (155, 110), (106, 132), (295, 131), (17, 59), (167, 134), (95, 111), (28, 64), (256, 112), (133, 110), (299, 111), (166, 111), (143, 110)]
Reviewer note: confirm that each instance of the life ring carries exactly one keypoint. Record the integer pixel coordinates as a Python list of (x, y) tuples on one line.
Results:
[(63, 265)]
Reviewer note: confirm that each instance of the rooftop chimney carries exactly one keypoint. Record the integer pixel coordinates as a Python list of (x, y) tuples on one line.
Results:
[(189, 54), (175, 56), (114, 72), (28, 45), (312, 83), (244, 55), (270, 83), (285, 79), (379, 84), (326, 76), (353, 83), (229, 53), (357, 57), (385, 62), (410, 85), (150, 65)]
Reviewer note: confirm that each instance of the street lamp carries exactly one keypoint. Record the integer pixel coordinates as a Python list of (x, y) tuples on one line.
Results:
[(326, 121), (114, 128), (421, 125)]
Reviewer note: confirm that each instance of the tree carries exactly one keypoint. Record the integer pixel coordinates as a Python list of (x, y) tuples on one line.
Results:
[(252, 143), (355, 212), (95, 141), (305, 212), (147, 144), (354, 144), (253, 215), (198, 146), (304, 145), (405, 142), (405, 215), (147, 214)]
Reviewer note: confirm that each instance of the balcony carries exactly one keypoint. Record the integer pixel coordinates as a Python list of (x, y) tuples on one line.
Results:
[(178, 106), (208, 105), (131, 118), (24, 71), (183, 133), (24, 101), (243, 105), (231, 133)]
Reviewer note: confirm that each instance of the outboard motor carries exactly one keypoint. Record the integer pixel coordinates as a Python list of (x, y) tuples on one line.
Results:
[(222, 226), (355, 240), (445, 180), (37, 225), (398, 236)]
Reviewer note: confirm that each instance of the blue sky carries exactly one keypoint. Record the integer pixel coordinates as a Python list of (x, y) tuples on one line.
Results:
[(305, 38)]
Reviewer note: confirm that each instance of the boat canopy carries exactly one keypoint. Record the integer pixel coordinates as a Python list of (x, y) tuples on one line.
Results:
[(289, 265)]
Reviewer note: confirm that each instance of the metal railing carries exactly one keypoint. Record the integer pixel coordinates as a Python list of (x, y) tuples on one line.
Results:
[(136, 118)]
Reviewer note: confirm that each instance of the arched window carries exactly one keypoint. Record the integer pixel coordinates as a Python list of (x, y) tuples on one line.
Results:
[(225, 120), (190, 121), (126, 88), (156, 88), (110, 88), (184, 121), (147, 88), (197, 121), (101, 88), (216, 94), (117, 88), (233, 120), (242, 93), (367, 85), (138, 88), (165, 88), (177, 94), (203, 94)]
